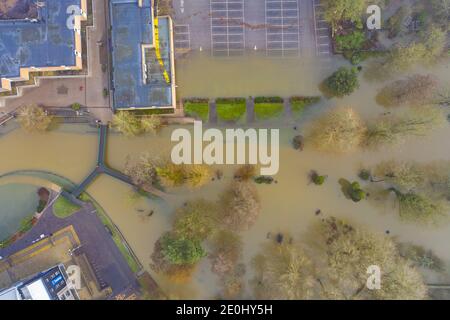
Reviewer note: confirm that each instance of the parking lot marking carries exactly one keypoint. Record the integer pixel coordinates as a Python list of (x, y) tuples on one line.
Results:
[(282, 28), (227, 27), (322, 31), (182, 37)]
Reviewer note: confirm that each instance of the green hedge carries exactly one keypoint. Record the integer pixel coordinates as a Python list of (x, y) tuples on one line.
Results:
[(299, 103), (268, 107), (146, 112), (197, 107), (269, 100), (231, 109)]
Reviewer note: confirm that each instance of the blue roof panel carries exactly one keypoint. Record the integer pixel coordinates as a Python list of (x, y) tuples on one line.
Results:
[(47, 42)]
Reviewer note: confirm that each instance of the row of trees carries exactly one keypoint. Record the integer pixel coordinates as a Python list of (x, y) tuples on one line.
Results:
[(335, 267), (148, 171), (429, 49), (343, 130), (132, 125)]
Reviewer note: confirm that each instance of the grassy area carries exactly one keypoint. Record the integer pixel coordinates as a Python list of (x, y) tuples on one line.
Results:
[(63, 208), (26, 224), (230, 109), (116, 236), (298, 104), (197, 108), (268, 107)]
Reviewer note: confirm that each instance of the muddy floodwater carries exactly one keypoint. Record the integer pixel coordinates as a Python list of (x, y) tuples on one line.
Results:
[(288, 206), (202, 75)]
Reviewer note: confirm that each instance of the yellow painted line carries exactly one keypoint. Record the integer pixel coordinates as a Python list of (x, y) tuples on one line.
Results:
[(158, 52)]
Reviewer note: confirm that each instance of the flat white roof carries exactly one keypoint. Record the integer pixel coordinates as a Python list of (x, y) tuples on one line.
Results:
[(10, 294), (38, 291)]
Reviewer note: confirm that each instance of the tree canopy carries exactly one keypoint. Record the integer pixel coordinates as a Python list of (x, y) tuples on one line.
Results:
[(132, 125), (283, 271), (349, 251), (33, 118), (415, 90), (195, 220), (181, 251), (340, 130), (343, 82), (239, 206), (337, 11)]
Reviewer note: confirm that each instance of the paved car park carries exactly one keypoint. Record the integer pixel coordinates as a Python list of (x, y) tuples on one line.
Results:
[(322, 31), (282, 28), (227, 28)]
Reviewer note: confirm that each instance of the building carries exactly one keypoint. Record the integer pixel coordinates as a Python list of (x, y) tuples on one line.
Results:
[(51, 43), (48, 41), (52, 284), (143, 75)]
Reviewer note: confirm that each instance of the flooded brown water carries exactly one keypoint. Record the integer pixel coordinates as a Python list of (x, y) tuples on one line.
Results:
[(288, 206), (250, 75)]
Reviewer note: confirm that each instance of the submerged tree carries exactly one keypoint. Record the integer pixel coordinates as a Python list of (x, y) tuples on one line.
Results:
[(226, 251), (421, 208), (348, 252), (197, 175), (127, 123), (151, 124), (415, 90), (196, 220), (33, 118), (175, 257), (402, 175), (415, 122), (239, 206), (402, 58), (340, 130), (173, 175), (283, 271), (143, 171), (343, 82), (131, 125), (181, 251)]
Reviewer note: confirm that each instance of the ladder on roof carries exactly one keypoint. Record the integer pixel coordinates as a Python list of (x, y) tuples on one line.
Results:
[(158, 51)]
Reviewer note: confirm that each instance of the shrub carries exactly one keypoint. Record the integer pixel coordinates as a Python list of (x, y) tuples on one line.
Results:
[(364, 174), (317, 179), (264, 180), (76, 106), (181, 251), (298, 142), (356, 193), (353, 41), (343, 82)]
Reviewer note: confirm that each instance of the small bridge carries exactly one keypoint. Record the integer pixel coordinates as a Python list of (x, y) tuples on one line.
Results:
[(102, 168)]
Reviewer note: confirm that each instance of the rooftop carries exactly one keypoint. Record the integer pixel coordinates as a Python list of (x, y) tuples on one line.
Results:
[(138, 77), (45, 41)]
